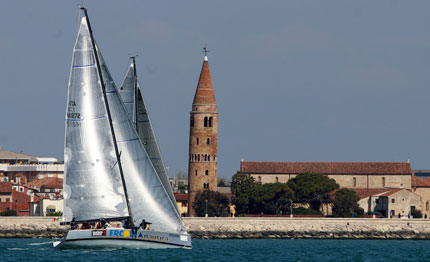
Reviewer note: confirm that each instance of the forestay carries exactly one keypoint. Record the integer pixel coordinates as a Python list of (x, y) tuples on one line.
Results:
[(148, 198), (92, 185), (144, 126)]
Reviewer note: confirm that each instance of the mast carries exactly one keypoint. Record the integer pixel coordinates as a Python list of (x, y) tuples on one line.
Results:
[(102, 83), (133, 58)]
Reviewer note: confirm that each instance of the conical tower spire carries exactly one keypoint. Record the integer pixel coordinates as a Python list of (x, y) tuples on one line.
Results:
[(204, 93)]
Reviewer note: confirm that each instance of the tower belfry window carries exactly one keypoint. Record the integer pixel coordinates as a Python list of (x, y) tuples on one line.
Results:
[(208, 141), (192, 121), (197, 140), (207, 172), (206, 122), (210, 121)]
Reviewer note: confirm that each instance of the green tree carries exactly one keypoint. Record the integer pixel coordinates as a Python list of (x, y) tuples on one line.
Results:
[(217, 204), (9, 213), (345, 203), (271, 198), (241, 188), (222, 182), (312, 188)]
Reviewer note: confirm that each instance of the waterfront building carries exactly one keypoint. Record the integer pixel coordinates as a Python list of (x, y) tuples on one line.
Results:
[(368, 175), (422, 188), (21, 168), (203, 140), (182, 203)]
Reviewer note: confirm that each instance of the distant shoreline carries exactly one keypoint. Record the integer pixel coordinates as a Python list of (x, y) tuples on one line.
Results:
[(252, 227)]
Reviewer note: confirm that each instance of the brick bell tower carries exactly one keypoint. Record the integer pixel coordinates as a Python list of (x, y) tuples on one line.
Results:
[(203, 149)]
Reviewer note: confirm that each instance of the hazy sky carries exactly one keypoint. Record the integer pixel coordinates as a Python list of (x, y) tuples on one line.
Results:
[(294, 80)]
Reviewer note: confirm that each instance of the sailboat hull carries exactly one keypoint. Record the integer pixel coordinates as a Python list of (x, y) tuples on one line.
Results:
[(122, 238)]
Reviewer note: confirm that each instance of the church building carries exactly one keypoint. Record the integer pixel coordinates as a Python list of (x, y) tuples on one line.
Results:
[(203, 143)]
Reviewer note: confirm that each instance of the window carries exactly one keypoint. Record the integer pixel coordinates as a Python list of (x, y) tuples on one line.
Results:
[(209, 157), (207, 172), (277, 179), (206, 185), (210, 121), (184, 204), (206, 122), (7, 199), (208, 141), (192, 121), (354, 181), (206, 157), (383, 182), (393, 200), (259, 179), (392, 213), (427, 206), (197, 141), (198, 157), (196, 172)]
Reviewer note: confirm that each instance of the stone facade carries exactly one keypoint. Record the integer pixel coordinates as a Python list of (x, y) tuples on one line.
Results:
[(422, 188), (203, 144)]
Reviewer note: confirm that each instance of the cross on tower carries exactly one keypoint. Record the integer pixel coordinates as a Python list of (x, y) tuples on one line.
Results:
[(205, 50)]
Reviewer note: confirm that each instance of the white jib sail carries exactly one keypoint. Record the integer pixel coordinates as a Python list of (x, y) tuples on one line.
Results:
[(144, 127), (92, 184), (148, 198)]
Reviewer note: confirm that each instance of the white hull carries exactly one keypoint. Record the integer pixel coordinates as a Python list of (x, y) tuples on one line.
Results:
[(122, 238)]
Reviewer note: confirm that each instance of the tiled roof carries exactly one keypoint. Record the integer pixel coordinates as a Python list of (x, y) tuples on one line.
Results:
[(420, 182), (204, 93), (181, 197), (5, 187), (48, 182), (368, 168), (364, 192), (6, 154)]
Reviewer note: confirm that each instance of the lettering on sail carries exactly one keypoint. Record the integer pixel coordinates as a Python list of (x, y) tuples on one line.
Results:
[(72, 114)]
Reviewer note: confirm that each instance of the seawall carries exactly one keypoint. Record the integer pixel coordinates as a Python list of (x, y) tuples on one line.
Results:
[(320, 228)]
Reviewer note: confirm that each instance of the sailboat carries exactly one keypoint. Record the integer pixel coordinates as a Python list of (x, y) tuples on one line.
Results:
[(109, 176)]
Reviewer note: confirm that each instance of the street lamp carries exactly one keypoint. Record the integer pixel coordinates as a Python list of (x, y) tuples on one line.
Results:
[(206, 212)]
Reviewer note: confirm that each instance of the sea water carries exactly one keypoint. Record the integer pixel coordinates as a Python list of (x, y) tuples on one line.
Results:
[(264, 250)]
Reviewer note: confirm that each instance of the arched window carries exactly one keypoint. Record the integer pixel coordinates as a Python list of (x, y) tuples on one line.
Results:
[(208, 141), (383, 182), (192, 121), (277, 179), (214, 157), (206, 157), (427, 206), (354, 182), (209, 157), (207, 172), (198, 157), (210, 121), (206, 122), (197, 140), (196, 172)]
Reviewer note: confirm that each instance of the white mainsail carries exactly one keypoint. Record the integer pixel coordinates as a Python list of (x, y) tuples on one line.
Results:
[(148, 198), (136, 109), (92, 185)]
